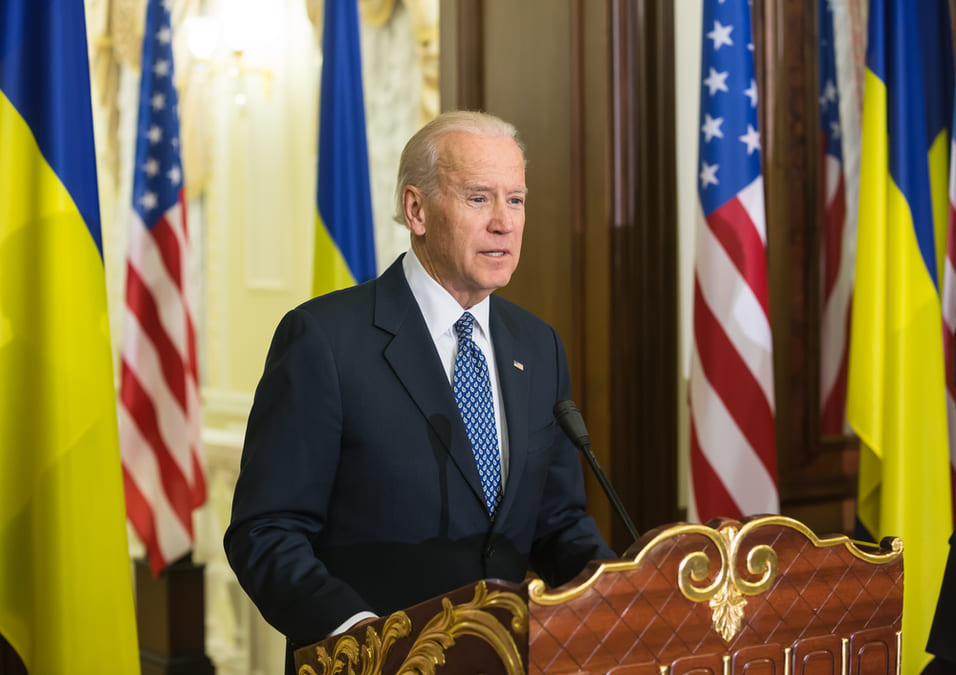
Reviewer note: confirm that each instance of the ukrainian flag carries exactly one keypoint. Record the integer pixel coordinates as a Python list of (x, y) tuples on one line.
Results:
[(897, 399), (66, 595), (344, 239)]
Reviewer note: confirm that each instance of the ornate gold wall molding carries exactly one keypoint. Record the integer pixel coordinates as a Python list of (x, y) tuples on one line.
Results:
[(376, 12)]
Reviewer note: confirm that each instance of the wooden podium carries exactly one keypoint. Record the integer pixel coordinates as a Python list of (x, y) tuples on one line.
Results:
[(762, 595)]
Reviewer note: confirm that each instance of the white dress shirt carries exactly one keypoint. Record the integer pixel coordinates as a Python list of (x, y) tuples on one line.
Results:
[(441, 311)]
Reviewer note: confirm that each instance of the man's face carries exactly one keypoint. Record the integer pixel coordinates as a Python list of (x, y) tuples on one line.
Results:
[(469, 235)]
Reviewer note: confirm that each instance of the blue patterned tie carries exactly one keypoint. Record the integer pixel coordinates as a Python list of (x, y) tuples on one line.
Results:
[(473, 393)]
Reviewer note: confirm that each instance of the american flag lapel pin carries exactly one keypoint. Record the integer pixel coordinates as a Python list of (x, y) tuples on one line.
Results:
[(518, 365)]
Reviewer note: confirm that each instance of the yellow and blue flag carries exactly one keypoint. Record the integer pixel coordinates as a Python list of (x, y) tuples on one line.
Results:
[(344, 235), (66, 593), (896, 398)]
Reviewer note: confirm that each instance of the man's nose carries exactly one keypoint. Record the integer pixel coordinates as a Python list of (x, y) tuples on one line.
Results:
[(503, 218)]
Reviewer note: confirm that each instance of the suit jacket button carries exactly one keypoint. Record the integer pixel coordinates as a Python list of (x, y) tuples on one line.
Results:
[(489, 550)]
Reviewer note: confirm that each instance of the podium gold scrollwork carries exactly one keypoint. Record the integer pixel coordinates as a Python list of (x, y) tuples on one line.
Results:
[(725, 594), (435, 638), (347, 652), (470, 619)]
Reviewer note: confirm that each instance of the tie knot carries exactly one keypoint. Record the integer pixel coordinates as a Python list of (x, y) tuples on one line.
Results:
[(464, 326)]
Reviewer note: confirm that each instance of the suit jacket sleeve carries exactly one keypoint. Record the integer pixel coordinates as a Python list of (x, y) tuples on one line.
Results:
[(566, 537), (282, 495), (941, 634)]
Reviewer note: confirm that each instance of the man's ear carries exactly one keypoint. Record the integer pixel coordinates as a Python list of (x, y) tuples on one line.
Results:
[(413, 204)]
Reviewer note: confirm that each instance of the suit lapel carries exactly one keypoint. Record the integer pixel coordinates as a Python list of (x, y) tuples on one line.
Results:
[(511, 355), (412, 357)]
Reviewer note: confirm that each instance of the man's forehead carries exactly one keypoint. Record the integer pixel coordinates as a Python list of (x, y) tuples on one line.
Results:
[(477, 160)]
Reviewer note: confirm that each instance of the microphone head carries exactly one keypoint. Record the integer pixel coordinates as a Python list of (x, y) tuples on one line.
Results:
[(572, 423)]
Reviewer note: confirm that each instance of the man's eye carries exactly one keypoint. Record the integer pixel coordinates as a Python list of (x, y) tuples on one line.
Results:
[(479, 200), (517, 200)]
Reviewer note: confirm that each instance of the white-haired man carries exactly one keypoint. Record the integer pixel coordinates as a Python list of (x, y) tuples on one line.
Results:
[(402, 442)]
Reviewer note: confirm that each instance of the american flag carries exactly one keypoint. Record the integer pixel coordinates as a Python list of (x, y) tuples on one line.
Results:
[(949, 316), (733, 453), (159, 416), (836, 250)]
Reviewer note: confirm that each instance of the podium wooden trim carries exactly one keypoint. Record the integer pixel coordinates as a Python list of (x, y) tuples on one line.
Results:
[(764, 593)]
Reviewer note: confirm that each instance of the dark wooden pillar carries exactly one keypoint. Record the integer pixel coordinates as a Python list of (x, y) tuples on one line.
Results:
[(816, 475), (589, 84), (170, 617), (643, 258)]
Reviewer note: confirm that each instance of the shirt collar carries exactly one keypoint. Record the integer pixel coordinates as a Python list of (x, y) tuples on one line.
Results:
[(439, 308)]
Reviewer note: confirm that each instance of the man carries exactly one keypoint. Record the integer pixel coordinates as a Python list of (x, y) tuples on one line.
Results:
[(370, 479), (941, 643)]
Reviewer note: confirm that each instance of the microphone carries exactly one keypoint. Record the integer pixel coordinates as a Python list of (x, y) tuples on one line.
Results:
[(570, 420)]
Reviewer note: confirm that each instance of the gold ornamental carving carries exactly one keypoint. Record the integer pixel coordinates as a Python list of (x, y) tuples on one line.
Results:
[(726, 592), (376, 12), (437, 636)]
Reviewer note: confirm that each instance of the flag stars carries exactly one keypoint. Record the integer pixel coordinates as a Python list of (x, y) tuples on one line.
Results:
[(708, 175), (161, 68), (158, 101), (711, 128), (164, 35), (174, 175), (835, 130), (155, 134), (751, 139), (829, 94), (151, 167), (148, 200), (721, 35), (716, 81), (751, 93)]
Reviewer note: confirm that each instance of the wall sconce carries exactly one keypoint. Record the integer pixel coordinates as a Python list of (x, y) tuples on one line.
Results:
[(202, 36), (238, 26)]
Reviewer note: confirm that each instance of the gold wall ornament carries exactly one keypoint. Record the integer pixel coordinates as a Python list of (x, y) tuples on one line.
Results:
[(376, 12), (424, 15), (438, 635), (315, 10)]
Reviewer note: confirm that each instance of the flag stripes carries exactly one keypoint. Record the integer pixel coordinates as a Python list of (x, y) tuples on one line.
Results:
[(733, 449), (949, 319), (835, 253), (159, 386)]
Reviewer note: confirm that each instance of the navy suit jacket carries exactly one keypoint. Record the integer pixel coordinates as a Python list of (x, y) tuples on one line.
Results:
[(358, 489), (941, 642)]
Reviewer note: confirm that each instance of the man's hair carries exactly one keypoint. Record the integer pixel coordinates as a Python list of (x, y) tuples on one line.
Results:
[(418, 165)]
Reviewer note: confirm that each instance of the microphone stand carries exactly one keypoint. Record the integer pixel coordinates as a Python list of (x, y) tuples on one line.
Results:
[(571, 421)]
